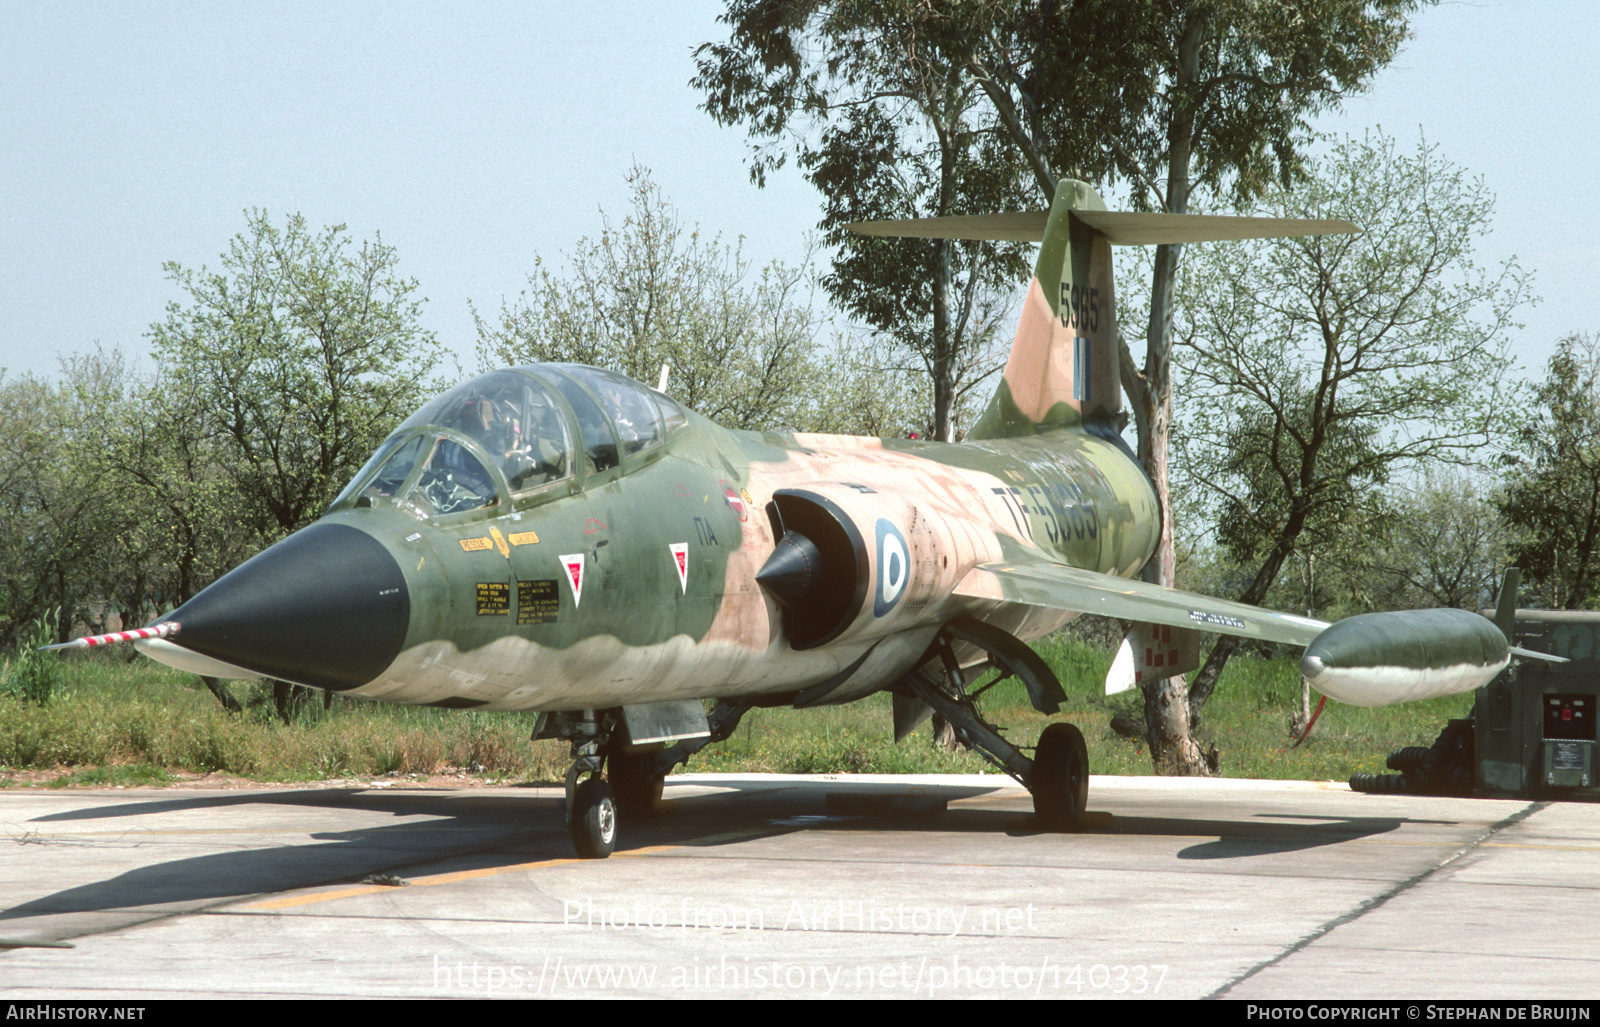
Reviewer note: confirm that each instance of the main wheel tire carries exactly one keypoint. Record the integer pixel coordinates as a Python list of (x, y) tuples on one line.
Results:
[(594, 819), (1060, 778), (637, 794)]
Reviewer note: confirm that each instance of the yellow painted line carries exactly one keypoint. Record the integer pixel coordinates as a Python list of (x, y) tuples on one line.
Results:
[(306, 900), (292, 901), (999, 796)]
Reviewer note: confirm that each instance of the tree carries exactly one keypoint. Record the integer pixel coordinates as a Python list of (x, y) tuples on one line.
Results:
[(741, 345), (1317, 368), (862, 392), (1177, 97), (1192, 98), (1552, 491), (302, 354), (35, 543), (1446, 545), (188, 523), (59, 521), (892, 124)]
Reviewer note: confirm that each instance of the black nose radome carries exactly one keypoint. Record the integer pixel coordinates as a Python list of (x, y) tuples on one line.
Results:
[(326, 607)]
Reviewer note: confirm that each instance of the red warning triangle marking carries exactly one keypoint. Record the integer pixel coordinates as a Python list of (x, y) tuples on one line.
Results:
[(573, 563), (680, 558)]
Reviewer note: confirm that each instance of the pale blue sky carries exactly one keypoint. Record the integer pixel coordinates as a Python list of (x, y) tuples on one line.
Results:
[(476, 136)]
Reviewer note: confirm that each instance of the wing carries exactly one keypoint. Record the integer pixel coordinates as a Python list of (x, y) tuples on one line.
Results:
[(1059, 587)]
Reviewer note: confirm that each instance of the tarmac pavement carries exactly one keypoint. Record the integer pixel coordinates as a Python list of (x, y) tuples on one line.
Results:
[(785, 886)]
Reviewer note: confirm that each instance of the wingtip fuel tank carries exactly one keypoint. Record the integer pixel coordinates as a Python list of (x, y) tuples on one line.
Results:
[(1375, 659)]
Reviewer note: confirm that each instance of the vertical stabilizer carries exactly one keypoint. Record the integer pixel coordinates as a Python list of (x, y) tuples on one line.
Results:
[(1505, 612), (1062, 370)]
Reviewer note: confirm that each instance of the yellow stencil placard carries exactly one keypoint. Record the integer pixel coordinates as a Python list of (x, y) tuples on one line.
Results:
[(476, 545)]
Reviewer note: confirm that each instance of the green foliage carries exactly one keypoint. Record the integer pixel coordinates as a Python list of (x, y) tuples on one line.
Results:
[(122, 495), (121, 717), (1315, 369), (1446, 545), (1552, 491), (31, 675), (28, 524), (300, 354), (134, 724), (879, 103), (859, 390), (650, 293), (1175, 97), (741, 343), (61, 517)]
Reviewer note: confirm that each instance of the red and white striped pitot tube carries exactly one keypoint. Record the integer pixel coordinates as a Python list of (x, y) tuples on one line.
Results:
[(164, 630)]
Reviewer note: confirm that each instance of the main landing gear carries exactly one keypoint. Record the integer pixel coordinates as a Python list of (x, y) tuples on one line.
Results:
[(1058, 773)]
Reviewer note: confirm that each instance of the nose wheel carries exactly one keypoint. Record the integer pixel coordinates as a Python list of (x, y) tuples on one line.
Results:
[(593, 819), (591, 805)]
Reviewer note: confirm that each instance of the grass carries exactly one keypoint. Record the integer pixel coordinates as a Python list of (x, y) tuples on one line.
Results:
[(111, 722), (110, 717)]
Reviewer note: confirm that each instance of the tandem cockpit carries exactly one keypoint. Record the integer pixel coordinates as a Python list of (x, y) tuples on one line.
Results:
[(518, 436)]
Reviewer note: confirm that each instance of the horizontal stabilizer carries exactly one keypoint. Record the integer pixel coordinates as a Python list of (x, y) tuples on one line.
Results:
[(1059, 587), (1121, 228)]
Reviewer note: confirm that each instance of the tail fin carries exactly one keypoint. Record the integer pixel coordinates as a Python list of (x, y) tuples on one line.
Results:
[(1063, 370), (1505, 611)]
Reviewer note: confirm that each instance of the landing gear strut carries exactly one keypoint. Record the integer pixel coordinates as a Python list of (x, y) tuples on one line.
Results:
[(633, 780), (1058, 774), (591, 806), (632, 777)]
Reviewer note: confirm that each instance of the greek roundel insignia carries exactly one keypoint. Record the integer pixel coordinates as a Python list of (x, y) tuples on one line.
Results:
[(894, 568)]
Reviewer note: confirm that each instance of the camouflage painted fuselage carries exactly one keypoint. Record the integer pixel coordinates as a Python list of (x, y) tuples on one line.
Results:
[(580, 600)]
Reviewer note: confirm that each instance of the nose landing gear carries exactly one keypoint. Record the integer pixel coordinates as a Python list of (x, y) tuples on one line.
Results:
[(591, 805), (592, 819)]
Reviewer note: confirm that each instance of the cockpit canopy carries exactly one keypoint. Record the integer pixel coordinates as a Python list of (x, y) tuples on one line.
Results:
[(515, 433)]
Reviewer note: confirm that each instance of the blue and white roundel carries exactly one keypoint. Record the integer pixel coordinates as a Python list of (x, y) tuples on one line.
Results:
[(894, 568)]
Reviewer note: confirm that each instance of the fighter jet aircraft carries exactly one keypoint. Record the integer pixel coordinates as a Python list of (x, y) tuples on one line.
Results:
[(559, 538)]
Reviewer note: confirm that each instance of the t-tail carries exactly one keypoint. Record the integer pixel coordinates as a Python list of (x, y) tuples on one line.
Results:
[(1064, 366)]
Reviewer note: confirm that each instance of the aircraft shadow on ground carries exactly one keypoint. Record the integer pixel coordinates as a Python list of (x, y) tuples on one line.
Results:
[(467, 831), (1236, 839), (464, 832)]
